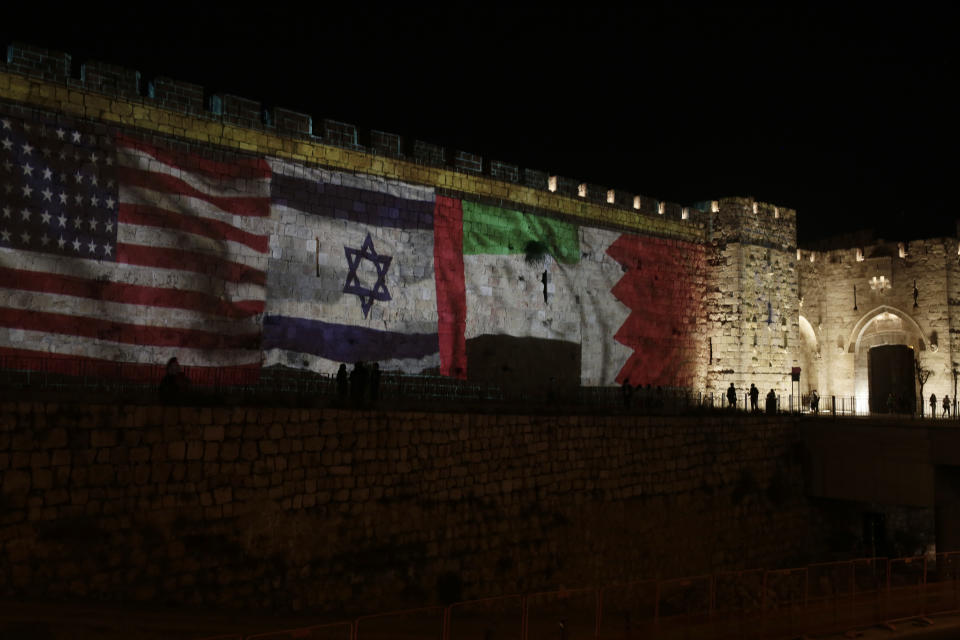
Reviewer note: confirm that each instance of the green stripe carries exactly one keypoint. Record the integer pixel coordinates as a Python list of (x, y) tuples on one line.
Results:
[(492, 230)]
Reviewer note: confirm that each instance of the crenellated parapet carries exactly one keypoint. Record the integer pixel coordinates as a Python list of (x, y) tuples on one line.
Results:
[(749, 221), (636, 289), (542, 189)]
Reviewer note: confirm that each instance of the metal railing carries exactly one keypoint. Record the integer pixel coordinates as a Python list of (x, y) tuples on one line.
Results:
[(19, 374), (755, 604), (136, 383)]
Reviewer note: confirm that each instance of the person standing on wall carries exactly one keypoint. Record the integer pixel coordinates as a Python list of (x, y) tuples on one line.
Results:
[(358, 383), (754, 397), (732, 396), (343, 385), (174, 382), (933, 405), (946, 407), (375, 383)]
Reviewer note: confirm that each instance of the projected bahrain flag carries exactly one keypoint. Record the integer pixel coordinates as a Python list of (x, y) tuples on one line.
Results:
[(663, 287)]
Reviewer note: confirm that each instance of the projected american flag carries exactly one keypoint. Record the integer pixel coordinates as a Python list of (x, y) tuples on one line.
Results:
[(116, 249)]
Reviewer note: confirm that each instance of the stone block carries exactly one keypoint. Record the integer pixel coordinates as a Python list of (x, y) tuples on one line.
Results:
[(385, 144), (111, 79), (340, 134), (177, 450), (428, 153), (249, 451), (535, 179), (504, 171), (194, 450), (230, 450), (178, 96), (16, 482), (20, 460), (101, 475), (239, 111), (268, 447), (38, 62), (55, 438), (468, 162), (292, 123)]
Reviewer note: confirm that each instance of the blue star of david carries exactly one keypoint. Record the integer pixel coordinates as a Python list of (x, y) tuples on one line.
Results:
[(353, 284)]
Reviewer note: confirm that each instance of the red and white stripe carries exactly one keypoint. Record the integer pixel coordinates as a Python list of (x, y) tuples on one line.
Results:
[(189, 280)]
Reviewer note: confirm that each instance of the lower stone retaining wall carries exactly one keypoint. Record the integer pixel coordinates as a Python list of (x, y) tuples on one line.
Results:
[(365, 511)]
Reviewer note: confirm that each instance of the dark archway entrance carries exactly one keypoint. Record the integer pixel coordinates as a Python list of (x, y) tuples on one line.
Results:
[(891, 373)]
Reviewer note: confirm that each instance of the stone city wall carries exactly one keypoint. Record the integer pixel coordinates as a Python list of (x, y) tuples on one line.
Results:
[(840, 325), (143, 222), (328, 509)]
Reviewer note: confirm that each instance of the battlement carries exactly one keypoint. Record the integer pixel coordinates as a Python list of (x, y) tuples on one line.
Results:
[(739, 219), (193, 100), (849, 251)]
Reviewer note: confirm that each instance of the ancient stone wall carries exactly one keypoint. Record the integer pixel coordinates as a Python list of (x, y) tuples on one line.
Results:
[(842, 325), (321, 509), (143, 223), (753, 308)]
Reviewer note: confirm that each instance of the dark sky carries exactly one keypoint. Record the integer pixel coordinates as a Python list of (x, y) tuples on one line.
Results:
[(845, 113)]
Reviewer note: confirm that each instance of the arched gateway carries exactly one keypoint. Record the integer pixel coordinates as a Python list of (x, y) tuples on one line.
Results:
[(884, 342)]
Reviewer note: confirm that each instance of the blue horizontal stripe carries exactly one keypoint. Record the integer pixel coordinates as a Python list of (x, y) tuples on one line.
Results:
[(350, 203), (345, 343)]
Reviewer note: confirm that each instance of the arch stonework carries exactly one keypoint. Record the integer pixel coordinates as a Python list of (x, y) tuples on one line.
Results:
[(861, 340), (853, 342), (809, 357)]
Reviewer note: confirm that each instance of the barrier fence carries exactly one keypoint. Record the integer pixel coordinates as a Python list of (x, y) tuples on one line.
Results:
[(65, 375), (281, 385), (756, 604)]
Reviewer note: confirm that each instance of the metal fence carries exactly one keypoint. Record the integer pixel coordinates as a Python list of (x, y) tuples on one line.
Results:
[(19, 374), (757, 604), (22, 376)]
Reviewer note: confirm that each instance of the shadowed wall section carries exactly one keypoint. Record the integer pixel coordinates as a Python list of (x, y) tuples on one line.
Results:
[(525, 365), (368, 511)]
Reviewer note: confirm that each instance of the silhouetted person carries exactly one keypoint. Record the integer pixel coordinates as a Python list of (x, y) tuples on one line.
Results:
[(946, 406), (815, 402), (771, 403), (754, 397), (732, 396), (358, 383), (626, 391), (375, 383), (933, 405), (174, 380), (343, 383)]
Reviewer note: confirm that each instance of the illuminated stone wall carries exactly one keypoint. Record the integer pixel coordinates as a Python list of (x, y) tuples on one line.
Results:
[(357, 511), (140, 227), (753, 305), (884, 274)]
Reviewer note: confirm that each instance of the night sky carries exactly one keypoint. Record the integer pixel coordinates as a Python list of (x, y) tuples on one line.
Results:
[(845, 114)]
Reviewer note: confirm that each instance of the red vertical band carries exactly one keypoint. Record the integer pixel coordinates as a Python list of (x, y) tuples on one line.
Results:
[(451, 293), (661, 287)]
